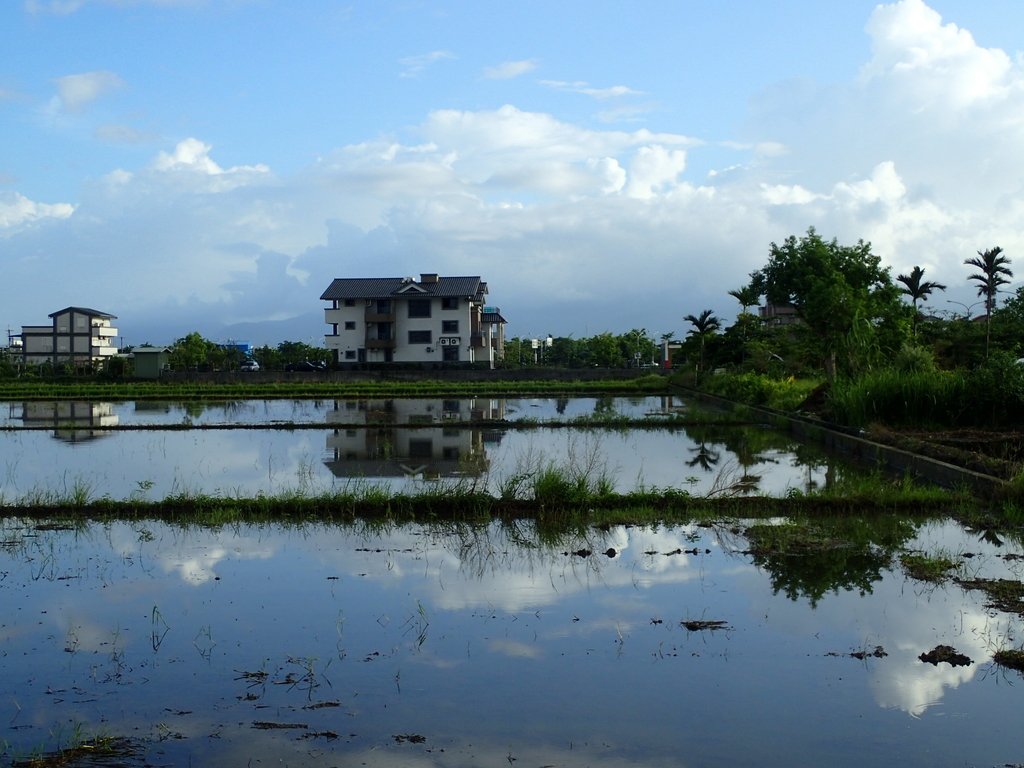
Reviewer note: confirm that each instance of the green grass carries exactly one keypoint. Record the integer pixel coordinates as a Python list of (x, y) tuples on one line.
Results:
[(934, 568), (1012, 658)]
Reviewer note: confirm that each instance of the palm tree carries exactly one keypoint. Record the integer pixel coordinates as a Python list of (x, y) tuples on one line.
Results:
[(747, 296), (917, 289), (993, 274), (705, 324)]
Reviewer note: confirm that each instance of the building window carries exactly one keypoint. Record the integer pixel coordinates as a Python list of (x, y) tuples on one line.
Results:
[(383, 331), (450, 354), (419, 337), (383, 306), (350, 302), (350, 354), (419, 307), (450, 302), (421, 449), (350, 325), (449, 326)]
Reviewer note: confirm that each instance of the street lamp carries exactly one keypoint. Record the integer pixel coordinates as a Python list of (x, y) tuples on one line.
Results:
[(967, 307)]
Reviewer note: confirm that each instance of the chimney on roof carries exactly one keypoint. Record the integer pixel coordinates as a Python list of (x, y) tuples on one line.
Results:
[(428, 277)]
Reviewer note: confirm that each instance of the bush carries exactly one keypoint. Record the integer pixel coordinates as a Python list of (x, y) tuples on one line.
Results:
[(759, 389)]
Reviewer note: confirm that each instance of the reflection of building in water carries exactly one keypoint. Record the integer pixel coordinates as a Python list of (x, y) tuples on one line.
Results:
[(416, 411), (393, 438), (71, 420)]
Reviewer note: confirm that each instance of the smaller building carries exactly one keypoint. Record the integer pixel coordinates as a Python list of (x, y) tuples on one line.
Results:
[(779, 314), (150, 362), (76, 336)]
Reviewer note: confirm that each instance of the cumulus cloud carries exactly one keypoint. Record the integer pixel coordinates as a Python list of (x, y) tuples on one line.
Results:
[(75, 92), (17, 209), (579, 229), (934, 63), (510, 69)]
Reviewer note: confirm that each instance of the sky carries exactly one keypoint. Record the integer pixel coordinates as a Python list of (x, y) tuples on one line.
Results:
[(211, 165)]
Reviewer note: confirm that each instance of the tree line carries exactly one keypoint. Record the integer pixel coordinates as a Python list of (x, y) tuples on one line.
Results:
[(850, 315)]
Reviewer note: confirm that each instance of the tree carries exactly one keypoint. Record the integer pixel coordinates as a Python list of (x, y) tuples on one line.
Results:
[(845, 298), (191, 351), (704, 325), (917, 289), (993, 274), (748, 296)]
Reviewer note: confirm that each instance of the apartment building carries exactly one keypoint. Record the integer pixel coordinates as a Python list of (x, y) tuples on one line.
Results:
[(76, 335), (433, 320)]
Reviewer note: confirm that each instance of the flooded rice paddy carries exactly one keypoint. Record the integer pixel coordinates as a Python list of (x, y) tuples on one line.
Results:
[(667, 646), (458, 645), (153, 450)]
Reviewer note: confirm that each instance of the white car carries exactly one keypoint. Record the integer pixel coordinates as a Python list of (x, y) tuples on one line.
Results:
[(249, 365)]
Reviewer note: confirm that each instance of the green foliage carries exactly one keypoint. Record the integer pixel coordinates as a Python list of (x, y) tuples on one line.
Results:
[(759, 389), (897, 398), (843, 295), (914, 359), (991, 395)]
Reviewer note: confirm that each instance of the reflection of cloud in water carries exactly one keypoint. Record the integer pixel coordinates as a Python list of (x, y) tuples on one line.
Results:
[(938, 616), (197, 568), (529, 579), (905, 682), (515, 650)]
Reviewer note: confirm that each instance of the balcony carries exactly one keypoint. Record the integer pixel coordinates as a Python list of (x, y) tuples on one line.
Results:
[(373, 316), (478, 341), (104, 331), (380, 343)]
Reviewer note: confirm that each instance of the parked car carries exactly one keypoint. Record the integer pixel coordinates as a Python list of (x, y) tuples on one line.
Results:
[(249, 365), (305, 365)]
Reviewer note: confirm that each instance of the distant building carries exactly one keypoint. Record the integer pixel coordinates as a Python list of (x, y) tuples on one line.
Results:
[(150, 362), (76, 335), (435, 319), (779, 314)]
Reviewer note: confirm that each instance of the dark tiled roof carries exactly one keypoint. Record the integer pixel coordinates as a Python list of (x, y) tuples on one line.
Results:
[(389, 287), (84, 311), (492, 317)]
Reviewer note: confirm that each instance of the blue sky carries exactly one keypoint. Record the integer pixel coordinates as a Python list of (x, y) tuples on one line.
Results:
[(212, 164)]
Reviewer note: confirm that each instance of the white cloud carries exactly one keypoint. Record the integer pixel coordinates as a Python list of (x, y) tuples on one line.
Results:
[(121, 134), (75, 92), (584, 88), (578, 228), (17, 209), (413, 66), (508, 70), (56, 7), (67, 7), (935, 64)]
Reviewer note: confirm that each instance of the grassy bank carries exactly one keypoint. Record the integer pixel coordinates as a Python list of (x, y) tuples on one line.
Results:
[(551, 496)]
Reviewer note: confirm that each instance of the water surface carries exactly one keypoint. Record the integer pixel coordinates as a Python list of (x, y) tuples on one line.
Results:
[(321, 645)]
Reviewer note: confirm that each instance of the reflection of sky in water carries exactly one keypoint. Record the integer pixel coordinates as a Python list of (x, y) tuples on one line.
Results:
[(489, 649), (155, 464)]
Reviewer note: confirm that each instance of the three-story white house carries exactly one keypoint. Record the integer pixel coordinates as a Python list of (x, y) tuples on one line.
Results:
[(76, 335), (403, 320)]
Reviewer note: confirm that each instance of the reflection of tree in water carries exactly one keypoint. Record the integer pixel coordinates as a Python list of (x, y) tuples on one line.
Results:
[(811, 459), (809, 558), (704, 456), (560, 405), (604, 406)]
